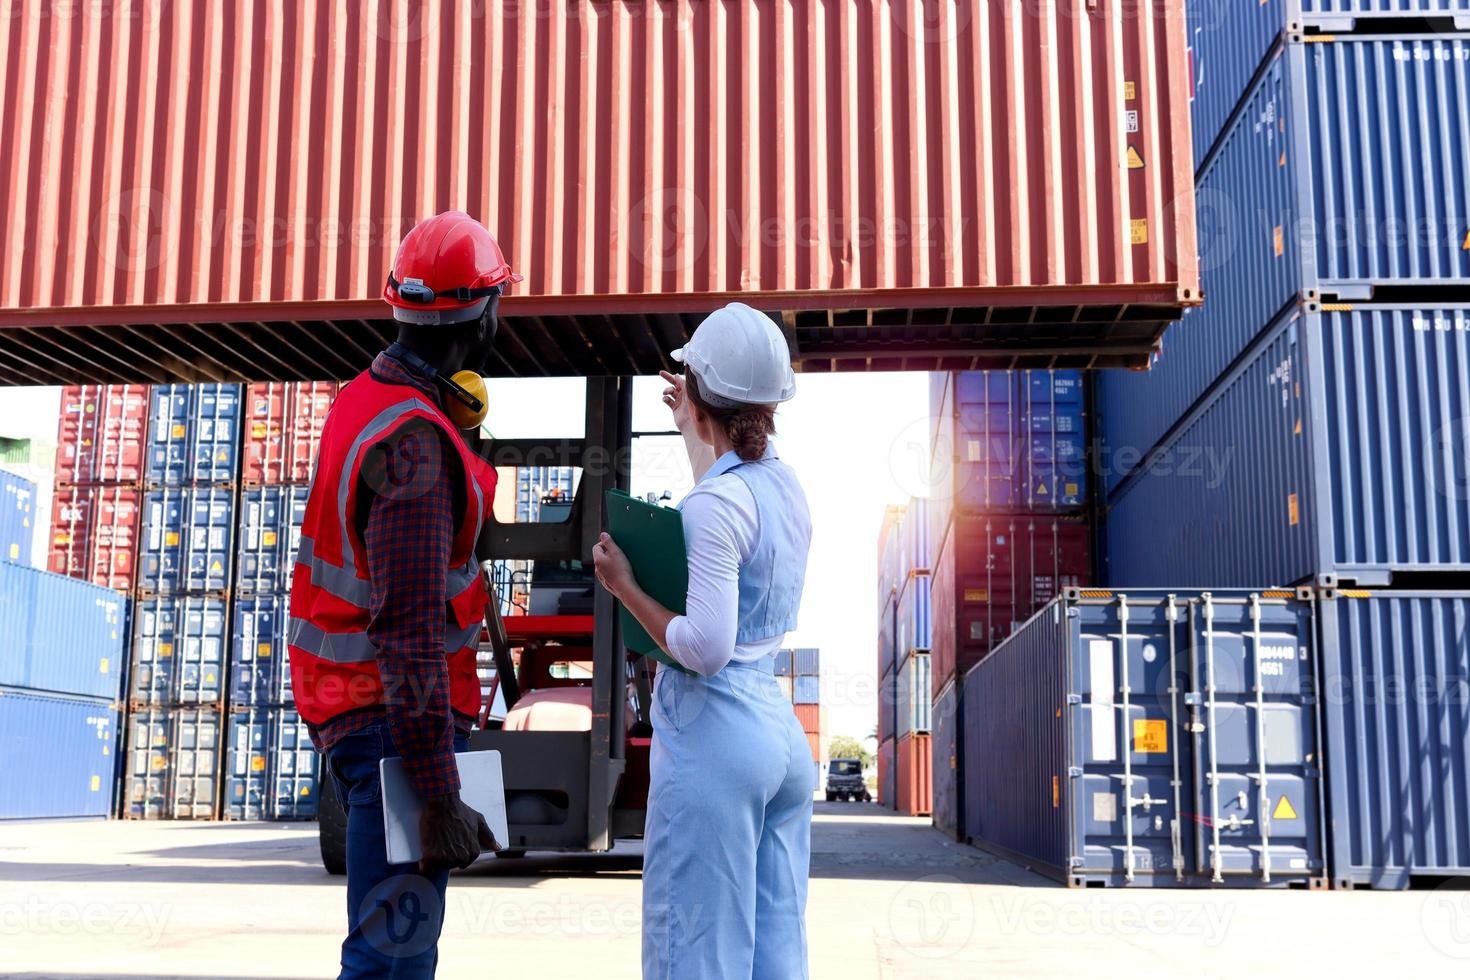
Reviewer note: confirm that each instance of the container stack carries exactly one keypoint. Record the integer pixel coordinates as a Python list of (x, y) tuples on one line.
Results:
[(98, 499), (17, 517), (1008, 519), (61, 667), (888, 563), (911, 687), (798, 671), (271, 769), (1305, 426), (181, 623)]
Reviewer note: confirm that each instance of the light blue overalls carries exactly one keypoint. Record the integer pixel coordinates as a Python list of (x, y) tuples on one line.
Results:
[(728, 840)]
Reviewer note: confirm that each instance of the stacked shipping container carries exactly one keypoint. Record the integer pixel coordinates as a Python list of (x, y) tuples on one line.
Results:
[(17, 517), (1009, 525), (904, 556), (799, 672), (1305, 426)]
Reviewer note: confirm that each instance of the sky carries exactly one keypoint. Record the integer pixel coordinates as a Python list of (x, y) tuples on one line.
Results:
[(857, 441)]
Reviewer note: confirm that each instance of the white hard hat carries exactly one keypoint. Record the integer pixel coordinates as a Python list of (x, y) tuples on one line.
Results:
[(740, 357)]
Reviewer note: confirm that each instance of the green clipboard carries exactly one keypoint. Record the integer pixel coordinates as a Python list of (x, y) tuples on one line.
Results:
[(653, 539)]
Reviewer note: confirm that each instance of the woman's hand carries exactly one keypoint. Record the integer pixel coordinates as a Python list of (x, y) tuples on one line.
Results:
[(612, 566), (676, 399)]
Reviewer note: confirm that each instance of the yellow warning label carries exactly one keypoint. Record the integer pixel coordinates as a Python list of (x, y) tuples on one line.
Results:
[(160, 763), (165, 649), (1135, 161), (1297, 429), (1138, 231), (268, 539), (257, 430), (1072, 489), (177, 432), (1056, 792), (1282, 161), (215, 567), (1279, 241), (96, 783), (1041, 489), (103, 665), (1150, 735), (1466, 246), (257, 764), (171, 538), (1130, 91), (1293, 510), (262, 649), (306, 790), (90, 407), (14, 552), (1284, 810), (977, 595)]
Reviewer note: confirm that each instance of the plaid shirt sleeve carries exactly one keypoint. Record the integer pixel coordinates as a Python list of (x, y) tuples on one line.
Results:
[(410, 525)]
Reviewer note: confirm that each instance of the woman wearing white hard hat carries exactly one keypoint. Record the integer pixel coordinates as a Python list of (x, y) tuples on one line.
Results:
[(728, 838)]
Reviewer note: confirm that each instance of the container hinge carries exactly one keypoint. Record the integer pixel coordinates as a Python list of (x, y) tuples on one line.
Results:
[(1144, 801), (1075, 862), (1074, 772), (1074, 699)]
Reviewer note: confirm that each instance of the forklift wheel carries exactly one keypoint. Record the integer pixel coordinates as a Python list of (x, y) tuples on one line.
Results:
[(510, 854), (332, 829)]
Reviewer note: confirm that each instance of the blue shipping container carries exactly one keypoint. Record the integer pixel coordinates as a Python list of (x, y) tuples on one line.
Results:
[(1397, 726), (1314, 192), (17, 517), (915, 552), (260, 672), (887, 704), (1150, 740), (269, 536), (188, 539), (179, 650), (944, 744), (915, 693), (914, 615), (60, 634), (1228, 40), (806, 660), (271, 767), (1336, 448), (806, 689), (1018, 445), (193, 434), (173, 763), (887, 636), (56, 756)]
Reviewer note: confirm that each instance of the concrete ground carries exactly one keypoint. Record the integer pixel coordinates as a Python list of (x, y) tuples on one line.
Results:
[(890, 897)]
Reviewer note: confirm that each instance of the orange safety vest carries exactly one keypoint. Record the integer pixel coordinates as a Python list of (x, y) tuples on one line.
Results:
[(334, 667)]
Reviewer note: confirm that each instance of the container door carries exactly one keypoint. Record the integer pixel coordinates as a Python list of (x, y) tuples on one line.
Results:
[(1254, 739), (1126, 805)]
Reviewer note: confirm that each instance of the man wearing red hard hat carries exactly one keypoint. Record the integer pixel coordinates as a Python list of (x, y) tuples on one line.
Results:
[(387, 599)]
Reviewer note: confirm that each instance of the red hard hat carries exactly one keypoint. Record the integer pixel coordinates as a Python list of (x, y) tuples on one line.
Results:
[(445, 270)]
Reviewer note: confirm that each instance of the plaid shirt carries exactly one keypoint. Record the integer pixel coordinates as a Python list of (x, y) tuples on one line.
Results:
[(409, 490)]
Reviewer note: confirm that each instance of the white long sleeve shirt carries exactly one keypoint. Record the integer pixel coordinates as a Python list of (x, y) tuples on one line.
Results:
[(721, 526)]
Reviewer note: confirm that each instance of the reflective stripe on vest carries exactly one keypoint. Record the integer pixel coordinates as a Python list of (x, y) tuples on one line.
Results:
[(355, 648)]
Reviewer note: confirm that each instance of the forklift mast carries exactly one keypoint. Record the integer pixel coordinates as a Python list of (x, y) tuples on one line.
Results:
[(561, 786)]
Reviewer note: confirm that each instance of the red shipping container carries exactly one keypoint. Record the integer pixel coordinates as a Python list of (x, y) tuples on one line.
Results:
[(94, 534), (810, 716), (914, 779), (814, 740), (993, 573), (102, 433), (283, 428)]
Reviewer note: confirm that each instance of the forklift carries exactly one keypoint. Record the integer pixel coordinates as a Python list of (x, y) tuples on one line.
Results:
[(575, 740)]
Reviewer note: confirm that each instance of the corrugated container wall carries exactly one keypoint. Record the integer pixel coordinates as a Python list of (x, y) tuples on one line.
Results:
[(887, 705), (17, 517), (260, 673), (913, 616), (887, 778), (888, 552), (1336, 448), (269, 536), (993, 573), (913, 760), (193, 435), (806, 689), (100, 438), (188, 540), (806, 660), (270, 768), (178, 654), (56, 756), (945, 744), (1165, 740), (282, 429), (173, 762), (914, 552), (1317, 193), (1396, 719), (1006, 121), (94, 534), (60, 635), (1016, 443), (913, 693), (887, 637)]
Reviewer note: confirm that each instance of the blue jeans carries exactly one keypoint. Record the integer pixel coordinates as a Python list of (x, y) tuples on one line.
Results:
[(394, 914)]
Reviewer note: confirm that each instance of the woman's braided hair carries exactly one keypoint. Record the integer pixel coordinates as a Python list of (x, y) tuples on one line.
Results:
[(747, 426)]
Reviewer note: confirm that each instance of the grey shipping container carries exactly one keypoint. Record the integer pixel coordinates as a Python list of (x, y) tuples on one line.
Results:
[(17, 517), (806, 660), (887, 705), (783, 663), (948, 794), (1150, 739), (179, 650), (60, 634), (56, 756), (1396, 701), (1337, 448), (173, 763), (1316, 192), (914, 694), (888, 634)]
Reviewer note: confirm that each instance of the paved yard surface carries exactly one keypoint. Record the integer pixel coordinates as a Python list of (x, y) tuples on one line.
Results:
[(890, 897)]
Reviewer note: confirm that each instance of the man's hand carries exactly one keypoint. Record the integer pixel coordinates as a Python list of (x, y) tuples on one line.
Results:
[(452, 834)]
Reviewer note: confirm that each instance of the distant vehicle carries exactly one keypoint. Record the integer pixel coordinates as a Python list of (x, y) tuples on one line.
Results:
[(845, 781)]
